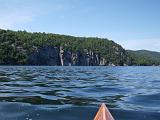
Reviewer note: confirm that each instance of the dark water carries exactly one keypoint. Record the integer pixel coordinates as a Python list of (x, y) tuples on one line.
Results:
[(74, 93)]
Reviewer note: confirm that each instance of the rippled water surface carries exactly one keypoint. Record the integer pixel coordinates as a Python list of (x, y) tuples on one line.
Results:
[(75, 93)]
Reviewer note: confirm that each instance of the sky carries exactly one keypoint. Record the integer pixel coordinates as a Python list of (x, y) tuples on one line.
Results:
[(134, 24)]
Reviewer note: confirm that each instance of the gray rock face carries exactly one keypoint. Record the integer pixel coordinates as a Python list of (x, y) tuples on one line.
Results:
[(57, 56), (79, 58), (47, 55)]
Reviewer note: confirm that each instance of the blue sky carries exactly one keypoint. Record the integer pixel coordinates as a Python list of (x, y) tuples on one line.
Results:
[(135, 24)]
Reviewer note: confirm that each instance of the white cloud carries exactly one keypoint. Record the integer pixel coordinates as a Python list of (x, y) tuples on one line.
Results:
[(147, 44), (11, 20), (13, 13), (20, 12)]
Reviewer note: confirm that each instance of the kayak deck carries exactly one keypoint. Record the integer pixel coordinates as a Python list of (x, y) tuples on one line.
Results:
[(103, 113)]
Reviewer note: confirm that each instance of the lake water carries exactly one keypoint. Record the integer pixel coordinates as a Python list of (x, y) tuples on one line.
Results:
[(75, 93)]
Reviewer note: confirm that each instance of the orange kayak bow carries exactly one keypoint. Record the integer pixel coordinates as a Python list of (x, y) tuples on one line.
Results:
[(103, 113)]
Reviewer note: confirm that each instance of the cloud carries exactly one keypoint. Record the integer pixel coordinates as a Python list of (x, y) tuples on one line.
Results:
[(11, 20), (147, 44), (13, 13), (20, 12)]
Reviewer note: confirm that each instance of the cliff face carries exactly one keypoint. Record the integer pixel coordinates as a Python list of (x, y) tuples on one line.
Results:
[(23, 48), (47, 55), (78, 58), (57, 56)]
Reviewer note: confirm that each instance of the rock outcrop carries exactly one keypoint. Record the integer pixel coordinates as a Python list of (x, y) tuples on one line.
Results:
[(57, 56), (47, 55)]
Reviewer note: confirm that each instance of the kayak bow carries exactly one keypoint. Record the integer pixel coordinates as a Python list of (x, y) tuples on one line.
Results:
[(103, 113)]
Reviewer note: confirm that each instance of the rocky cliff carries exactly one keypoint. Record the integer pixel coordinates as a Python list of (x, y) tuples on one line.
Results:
[(23, 48), (57, 56)]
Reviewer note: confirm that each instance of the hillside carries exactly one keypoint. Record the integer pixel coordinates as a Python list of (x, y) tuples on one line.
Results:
[(24, 48), (144, 57)]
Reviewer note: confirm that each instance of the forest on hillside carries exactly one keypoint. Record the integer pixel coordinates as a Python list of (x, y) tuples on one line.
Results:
[(16, 46)]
